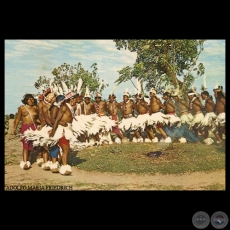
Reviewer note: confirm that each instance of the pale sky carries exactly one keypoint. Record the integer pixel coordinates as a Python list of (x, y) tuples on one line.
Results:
[(26, 60)]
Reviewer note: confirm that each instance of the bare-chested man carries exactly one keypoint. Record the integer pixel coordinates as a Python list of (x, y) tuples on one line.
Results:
[(127, 109), (79, 110), (220, 110), (41, 150), (208, 123), (100, 108), (170, 109), (49, 99), (186, 118), (155, 107), (64, 122), (54, 151), (182, 109), (88, 109), (196, 108), (27, 114), (112, 107), (142, 108)]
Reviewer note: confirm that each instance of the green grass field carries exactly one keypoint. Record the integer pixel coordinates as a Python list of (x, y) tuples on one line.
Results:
[(132, 158)]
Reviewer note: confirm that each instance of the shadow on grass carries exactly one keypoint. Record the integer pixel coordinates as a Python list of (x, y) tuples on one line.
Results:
[(73, 159)]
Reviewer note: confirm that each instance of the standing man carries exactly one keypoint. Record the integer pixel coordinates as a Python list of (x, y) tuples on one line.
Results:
[(49, 99), (54, 151), (186, 118), (100, 108), (128, 106), (196, 108), (209, 121), (64, 122), (42, 152), (220, 110), (27, 114), (159, 118), (143, 109), (87, 110), (112, 107), (170, 110)]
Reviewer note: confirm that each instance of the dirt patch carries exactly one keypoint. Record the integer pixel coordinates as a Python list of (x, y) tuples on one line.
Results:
[(38, 179)]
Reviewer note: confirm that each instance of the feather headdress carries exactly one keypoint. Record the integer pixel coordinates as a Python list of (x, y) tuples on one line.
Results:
[(113, 90), (79, 85), (138, 87), (87, 93), (98, 94), (126, 93)]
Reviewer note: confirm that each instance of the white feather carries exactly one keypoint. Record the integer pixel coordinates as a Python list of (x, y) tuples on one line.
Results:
[(71, 87), (60, 90), (65, 88), (50, 83), (79, 85), (42, 88), (99, 88), (204, 81), (138, 86), (113, 90), (55, 89), (87, 90)]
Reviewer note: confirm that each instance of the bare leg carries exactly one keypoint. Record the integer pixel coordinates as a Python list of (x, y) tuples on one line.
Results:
[(162, 132), (65, 153), (217, 137), (137, 134), (25, 155), (45, 156), (150, 133)]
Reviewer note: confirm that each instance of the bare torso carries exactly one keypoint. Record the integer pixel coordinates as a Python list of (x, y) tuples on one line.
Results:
[(28, 114), (127, 107), (196, 106), (220, 105), (181, 106), (99, 108), (142, 107), (209, 105), (169, 106), (155, 104), (112, 107), (87, 108)]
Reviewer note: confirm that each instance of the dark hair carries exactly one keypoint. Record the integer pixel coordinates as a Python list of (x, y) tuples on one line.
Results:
[(205, 93), (60, 98), (220, 94), (11, 115), (166, 94), (190, 91), (26, 98)]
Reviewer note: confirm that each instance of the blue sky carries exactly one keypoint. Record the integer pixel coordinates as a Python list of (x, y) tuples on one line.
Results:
[(26, 60)]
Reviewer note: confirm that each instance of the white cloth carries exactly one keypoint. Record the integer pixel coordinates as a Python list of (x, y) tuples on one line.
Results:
[(220, 120), (209, 121), (196, 122)]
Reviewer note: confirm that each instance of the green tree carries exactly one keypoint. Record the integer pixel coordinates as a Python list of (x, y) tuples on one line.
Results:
[(70, 75), (161, 63)]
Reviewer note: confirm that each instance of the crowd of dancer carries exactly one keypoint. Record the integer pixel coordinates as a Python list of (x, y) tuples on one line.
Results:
[(58, 122)]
